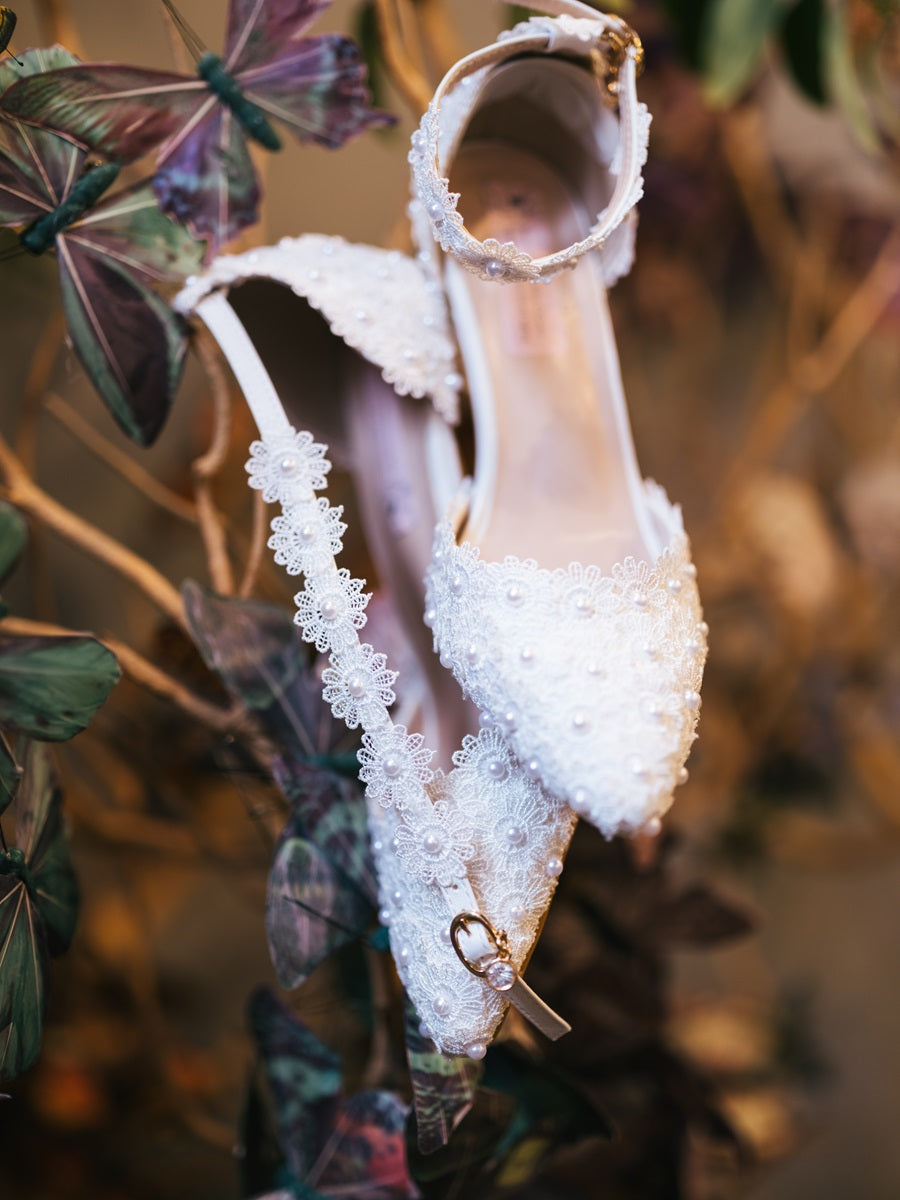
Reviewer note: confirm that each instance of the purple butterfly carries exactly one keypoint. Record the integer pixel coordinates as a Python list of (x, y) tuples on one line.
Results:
[(110, 249), (204, 176)]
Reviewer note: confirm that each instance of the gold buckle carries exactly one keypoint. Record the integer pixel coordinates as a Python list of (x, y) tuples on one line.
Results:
[(620, 38), (461, 922)]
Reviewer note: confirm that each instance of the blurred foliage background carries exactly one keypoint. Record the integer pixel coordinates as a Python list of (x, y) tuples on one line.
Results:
[(759, 339)]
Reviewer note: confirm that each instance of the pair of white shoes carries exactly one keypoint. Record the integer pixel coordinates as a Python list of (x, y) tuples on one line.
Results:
[(560, 591)]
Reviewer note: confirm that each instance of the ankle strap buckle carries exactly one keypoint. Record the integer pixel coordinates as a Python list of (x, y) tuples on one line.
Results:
[(618, 39)]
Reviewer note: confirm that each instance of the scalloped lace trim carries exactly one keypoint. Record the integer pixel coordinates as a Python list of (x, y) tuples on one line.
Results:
[(487, 825)]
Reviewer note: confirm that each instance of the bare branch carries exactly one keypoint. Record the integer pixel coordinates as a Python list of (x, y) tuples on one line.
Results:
[(207, 466)]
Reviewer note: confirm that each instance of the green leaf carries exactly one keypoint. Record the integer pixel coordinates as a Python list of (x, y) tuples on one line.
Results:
[(310, 908), (443, 1088), (13, 536), (50, 687), (38, 908), (802, 38), (843, 83), (733, 47)]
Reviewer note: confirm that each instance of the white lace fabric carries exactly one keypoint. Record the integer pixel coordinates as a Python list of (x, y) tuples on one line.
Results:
[(484, 837), (592, 678)]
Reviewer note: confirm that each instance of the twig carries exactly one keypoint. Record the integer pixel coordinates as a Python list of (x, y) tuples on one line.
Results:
[(207, 466), (37, 381), (22, 491), (120, 462), (143, 672), (816, 370), (257, 546), (406, 77), (55, 18), (441, 43)]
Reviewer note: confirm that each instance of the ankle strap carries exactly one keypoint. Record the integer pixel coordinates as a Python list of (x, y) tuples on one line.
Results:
[(615, 54)]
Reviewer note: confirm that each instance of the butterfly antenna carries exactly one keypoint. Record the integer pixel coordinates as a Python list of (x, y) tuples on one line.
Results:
[(188, 36)]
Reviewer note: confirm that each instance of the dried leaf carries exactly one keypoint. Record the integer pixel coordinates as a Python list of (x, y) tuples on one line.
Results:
[(443, 1088), (311, 909)]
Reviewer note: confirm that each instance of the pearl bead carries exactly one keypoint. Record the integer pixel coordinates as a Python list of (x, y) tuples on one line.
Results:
[(703, 628), (418, 139), (473, 655), (328, 249), (693, 646), (441, 1006), (424, 1031), (430, 617), (391, 766), (456, 585), (653, 826), (514, 594), (553, 868), (378, 845), (533, 767), (510, 719), (361, 315), (435, 210), (307, 533), (581, 722), (476, 1050), (517, 914), (445, 660), (384, 916), (683, 775), (397, 897), (637, 768), (674, 586), (516, 836), (596, 669), (357, 685), (638, 598), (445, 935), (313, 275), (329, 610), (692, 699), (651, 651), (583, 605), (690, 570), (288, 465), (405, 955), (432, 843), (454, 380), (409, 354), (581, 800), (526, 654), (494, 269), (497, 769)]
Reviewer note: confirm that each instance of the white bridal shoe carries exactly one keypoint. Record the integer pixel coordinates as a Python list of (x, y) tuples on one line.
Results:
[(561, 592), (468, 860)]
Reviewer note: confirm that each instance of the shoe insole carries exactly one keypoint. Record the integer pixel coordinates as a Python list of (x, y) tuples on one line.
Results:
[(566, 478)]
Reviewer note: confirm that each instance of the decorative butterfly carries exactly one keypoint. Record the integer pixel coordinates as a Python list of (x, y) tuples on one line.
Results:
[(109, 250), (7, 29), (204, 175)]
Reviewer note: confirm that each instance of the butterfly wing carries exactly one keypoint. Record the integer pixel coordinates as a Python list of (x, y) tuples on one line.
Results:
[(37, 169), (258, 28), (208, 180), (120, 112), (317, 87), (127, 338)]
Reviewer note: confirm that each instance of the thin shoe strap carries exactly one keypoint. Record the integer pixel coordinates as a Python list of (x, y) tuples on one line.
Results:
[(603, 39)]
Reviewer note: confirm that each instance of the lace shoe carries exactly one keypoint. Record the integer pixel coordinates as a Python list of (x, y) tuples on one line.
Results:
[(561, 591), (347, 340)]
